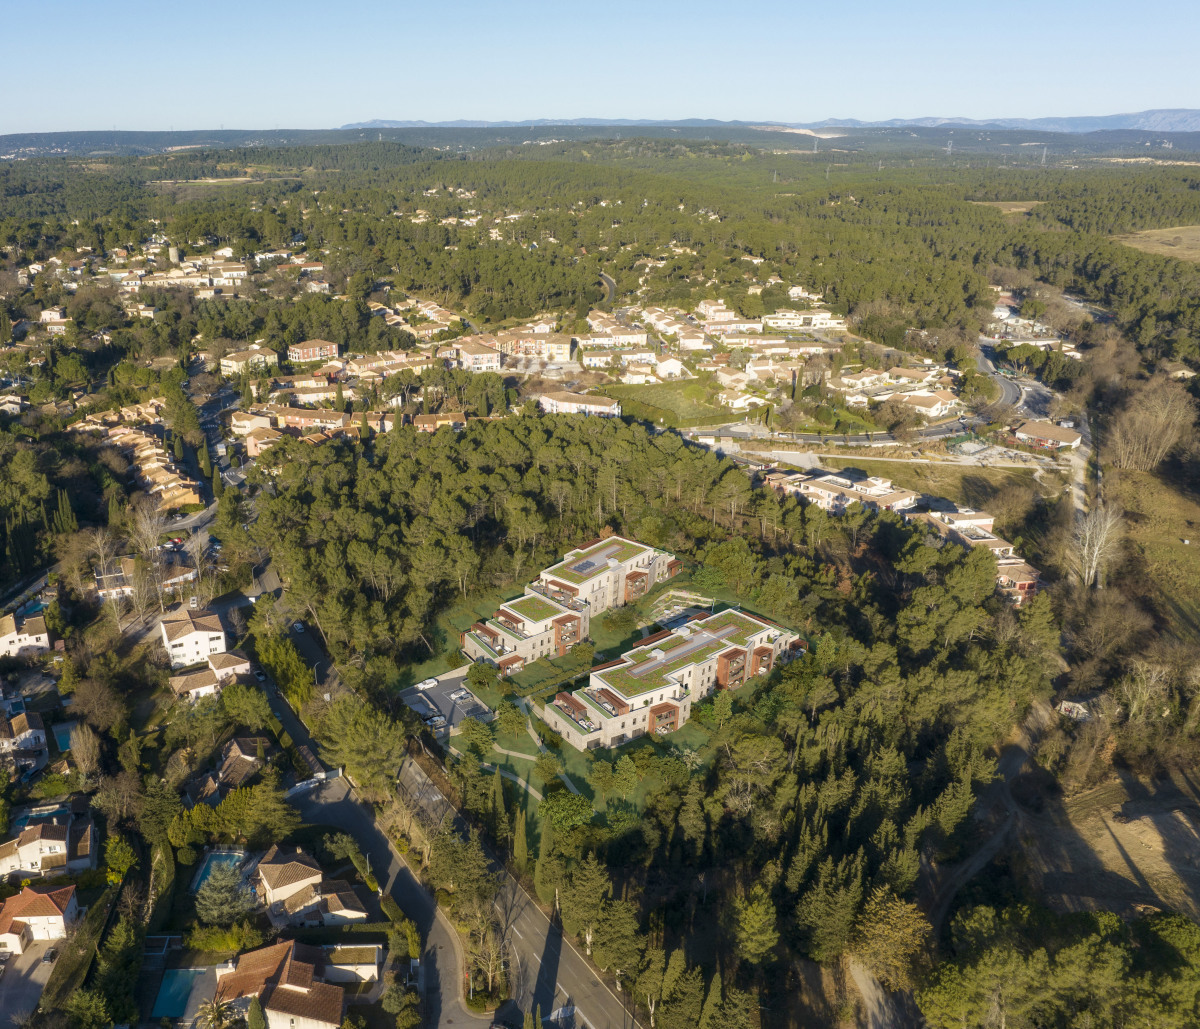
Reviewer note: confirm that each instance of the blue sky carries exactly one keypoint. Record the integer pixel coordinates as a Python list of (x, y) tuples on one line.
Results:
[(263, 63)]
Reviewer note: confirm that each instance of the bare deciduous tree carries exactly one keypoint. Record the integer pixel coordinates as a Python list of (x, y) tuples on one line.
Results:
[(85, 749), (145, 530), (1097, 538), (1154, 421)]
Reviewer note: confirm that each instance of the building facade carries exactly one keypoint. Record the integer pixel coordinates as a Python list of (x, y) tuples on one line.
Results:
[(191, 636), (652, 688)]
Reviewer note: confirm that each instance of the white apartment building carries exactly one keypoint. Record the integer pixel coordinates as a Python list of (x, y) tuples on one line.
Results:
[(835, 493), (652, 688), (563, 402), (796, 320), (610, 572), (191, 636), (472, 354), (544, 622)]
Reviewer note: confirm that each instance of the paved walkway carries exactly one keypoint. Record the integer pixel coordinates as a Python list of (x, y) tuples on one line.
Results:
[(526, 706)]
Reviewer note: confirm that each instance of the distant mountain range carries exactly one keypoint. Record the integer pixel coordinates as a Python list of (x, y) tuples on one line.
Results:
[(1163, 120)]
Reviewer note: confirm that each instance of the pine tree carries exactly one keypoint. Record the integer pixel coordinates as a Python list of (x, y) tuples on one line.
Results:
[(520, 851), (712, 1002)]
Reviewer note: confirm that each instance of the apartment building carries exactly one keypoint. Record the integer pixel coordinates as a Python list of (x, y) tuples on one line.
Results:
[(835, 493), (312, 350), (611, 334), (472, 354), (24, 638), (545, 622), (556, 611), (1015, 579), (155, 469), (545, 346), (733, 326), (191, 636), (715, 311), (390, 362), (564, 402), (797, 320), (652, 688), (610, 572)]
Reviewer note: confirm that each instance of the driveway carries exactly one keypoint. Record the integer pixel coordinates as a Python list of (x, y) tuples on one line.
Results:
[(21, 985)]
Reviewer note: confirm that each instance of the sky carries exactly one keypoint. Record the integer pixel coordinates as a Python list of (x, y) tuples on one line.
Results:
[(268, 64)]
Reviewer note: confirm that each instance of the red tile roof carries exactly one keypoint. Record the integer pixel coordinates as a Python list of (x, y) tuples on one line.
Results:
[(34, 902)]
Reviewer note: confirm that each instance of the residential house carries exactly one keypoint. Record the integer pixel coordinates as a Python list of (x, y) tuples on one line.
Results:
[(325, 903), (189, 637), (669, 368), (932, 404), (25, 638), (23, 740), (456, 420), (56, 842), (120, 578), (241, 759), (715, 311), (652, 688), (253, 357), (312, 350), (1047, 435), (864, 379), (260, 439), (564, 402), (284, 872), (287, 980), (37, 913)]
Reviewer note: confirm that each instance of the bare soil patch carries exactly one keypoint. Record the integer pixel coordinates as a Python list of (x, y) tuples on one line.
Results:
[(1009, 206)]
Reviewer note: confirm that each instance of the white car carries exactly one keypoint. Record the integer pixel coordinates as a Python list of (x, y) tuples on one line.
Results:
[(298, 627), (436, 722), (427, 684)]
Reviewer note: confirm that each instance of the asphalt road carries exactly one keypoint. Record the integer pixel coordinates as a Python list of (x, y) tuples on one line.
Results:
[(547, 969), (1010, 392)]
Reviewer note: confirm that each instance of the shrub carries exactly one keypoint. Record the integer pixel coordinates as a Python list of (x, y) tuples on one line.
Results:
[(391, 909), (186, 856)]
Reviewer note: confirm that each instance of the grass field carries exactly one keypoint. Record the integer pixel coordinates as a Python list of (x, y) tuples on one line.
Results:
[(1181, 241), (687, 399), (1009, 206), (1159, 517), (961, 483)]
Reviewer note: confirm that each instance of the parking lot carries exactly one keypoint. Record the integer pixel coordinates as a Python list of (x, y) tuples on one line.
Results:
[(21, 984), (449, 699)]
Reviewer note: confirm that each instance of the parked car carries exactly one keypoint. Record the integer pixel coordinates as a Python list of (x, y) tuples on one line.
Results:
[(427, 684), (260, 675), (50, 955), (194, 603), (298, 627)]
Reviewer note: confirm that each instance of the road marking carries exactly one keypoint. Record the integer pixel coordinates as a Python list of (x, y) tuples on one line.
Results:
[(518, 932)]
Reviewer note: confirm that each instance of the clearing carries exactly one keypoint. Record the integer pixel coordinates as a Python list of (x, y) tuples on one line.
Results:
[(687, 401), (1120, 845), (1159, 517), (1009, 206), (1182, 242)]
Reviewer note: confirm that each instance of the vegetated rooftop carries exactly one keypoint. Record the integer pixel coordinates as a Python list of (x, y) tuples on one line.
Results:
[(707, 637), (533, 608), (587, 564)]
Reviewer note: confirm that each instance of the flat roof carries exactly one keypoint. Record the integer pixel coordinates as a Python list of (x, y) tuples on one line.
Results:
[(583, 566), (534, 608), (642, 670)]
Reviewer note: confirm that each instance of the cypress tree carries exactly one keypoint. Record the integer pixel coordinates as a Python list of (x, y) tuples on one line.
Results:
[(218, 487), (64, 517), (520, 851), (254, 1017), (178, 447), (114, 510), (712, 1002), (339, 401)]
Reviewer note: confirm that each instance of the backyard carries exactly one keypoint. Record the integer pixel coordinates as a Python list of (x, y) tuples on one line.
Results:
[(687, 401)]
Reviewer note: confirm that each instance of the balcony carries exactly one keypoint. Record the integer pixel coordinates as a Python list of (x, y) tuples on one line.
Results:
[(558, 596)]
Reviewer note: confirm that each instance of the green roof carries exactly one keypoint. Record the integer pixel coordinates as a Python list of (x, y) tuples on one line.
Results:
[(533, 608), (587, 564), (354, 955), (709, 637)]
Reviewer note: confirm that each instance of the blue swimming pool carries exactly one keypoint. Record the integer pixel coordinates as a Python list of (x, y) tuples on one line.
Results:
[(62, 735), (217, 857), (173, 994)]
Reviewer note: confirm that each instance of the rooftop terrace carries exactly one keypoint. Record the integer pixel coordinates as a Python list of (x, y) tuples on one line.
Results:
[(648, 667), (587, 564), (533, 609)]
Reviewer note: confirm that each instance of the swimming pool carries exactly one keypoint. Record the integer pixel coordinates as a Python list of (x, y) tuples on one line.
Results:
[(62, 735), (173, 994), (216, 857)]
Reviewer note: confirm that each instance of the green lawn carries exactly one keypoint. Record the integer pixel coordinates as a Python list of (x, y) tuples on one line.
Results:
[(688, 400)]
